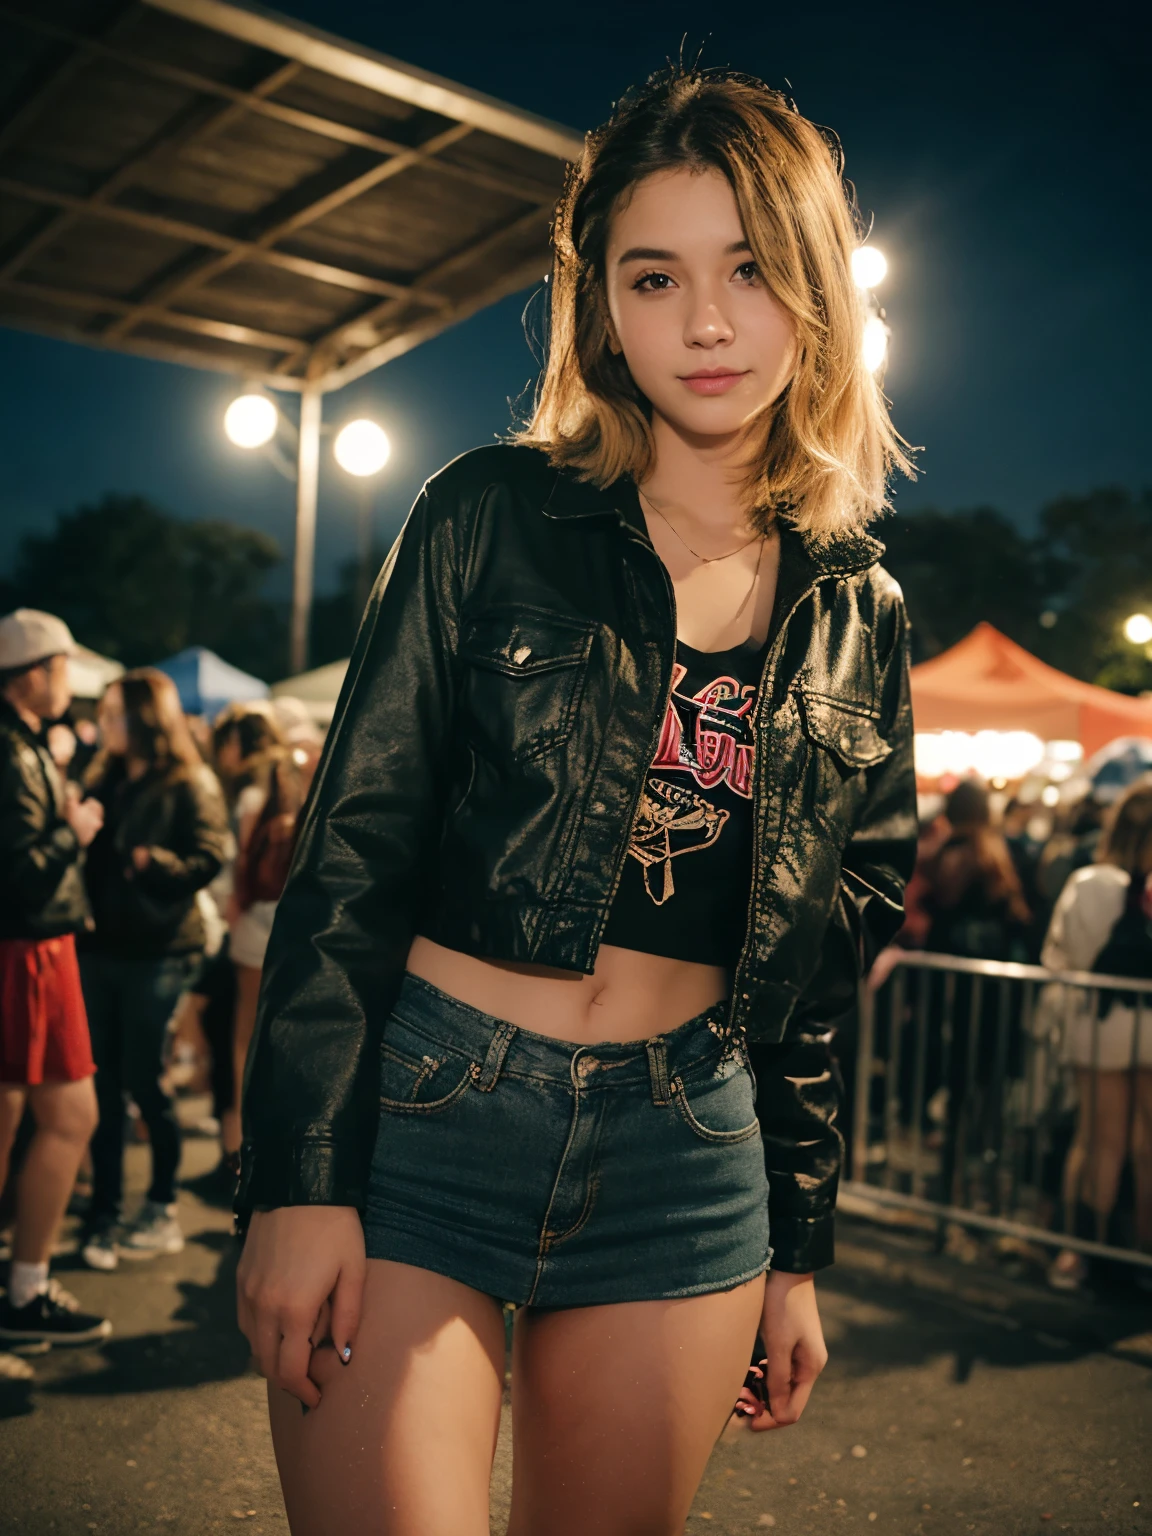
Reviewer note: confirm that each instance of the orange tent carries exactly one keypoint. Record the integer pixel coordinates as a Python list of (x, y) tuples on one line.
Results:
[(987, 682)]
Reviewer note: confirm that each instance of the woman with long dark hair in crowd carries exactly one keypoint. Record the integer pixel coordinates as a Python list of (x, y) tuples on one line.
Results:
[(265, 791), (1108, 1042), (619, 793), (164, 837)]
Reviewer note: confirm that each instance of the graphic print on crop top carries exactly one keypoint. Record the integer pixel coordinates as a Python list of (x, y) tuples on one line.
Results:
[(684, 888)]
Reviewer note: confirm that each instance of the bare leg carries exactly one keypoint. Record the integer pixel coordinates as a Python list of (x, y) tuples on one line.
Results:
[(12, 1100), (65, 1115), (1100, 1146), (244, 1023), (403, 1441), (1142, 1158), (616, 1410)]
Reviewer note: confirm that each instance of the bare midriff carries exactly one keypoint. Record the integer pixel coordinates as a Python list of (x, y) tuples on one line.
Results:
[(629, 996)]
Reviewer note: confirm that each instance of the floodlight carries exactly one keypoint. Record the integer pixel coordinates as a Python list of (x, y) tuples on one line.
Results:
[(869, 266), (1138, 628), (250, 421), (875, 343), (362, 448)]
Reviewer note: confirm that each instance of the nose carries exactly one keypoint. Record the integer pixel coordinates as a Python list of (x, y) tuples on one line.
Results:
[(706, 324)]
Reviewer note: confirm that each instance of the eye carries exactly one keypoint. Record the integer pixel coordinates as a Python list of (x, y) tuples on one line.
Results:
[(748, 271), (652, 282)]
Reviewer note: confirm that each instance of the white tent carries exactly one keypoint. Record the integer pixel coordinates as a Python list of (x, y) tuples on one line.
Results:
[(89, 673), (318, 690)]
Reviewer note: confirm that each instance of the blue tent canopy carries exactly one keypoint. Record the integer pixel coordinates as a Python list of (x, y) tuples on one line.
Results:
[(207, 684)]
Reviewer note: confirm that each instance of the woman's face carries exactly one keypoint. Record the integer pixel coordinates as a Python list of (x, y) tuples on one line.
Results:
[(703, 338), (228, 758), (111, 720)]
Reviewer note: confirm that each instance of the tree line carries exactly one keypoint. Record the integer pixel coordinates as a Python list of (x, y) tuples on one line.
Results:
[(138, 584)]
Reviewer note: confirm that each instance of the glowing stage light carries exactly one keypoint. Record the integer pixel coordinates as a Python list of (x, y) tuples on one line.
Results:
[(1138, 628), (362, 448), (875, 343), (869, 266), (250, 421)]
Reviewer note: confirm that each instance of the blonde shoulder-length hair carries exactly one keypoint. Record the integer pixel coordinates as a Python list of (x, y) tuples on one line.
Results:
[(820, 454)]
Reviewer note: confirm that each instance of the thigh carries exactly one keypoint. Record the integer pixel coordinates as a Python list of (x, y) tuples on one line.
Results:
[(403, 1441), (1104, 1108), (616, 1409)]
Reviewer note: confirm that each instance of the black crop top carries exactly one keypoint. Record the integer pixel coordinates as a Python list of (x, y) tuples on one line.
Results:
[(685, 885)]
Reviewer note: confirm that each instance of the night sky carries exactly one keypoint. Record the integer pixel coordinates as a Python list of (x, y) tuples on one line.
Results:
[(1002, 152)]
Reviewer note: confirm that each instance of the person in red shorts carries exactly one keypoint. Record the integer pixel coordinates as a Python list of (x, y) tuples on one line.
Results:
[(45, 1055)]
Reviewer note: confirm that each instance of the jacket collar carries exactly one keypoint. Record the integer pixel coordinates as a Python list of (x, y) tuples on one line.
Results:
[(841, 555), (14, 721)]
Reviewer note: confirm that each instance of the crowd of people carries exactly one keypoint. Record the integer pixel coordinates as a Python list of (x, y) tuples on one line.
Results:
[(142, 864), (1072, 895)]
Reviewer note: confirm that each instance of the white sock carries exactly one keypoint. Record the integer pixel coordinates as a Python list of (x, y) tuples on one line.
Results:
[(26, 1281)]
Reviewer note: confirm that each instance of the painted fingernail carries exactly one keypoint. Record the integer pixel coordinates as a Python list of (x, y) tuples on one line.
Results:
[(346, 1353)]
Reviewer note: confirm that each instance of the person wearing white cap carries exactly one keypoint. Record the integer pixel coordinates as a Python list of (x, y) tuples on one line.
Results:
[(45, 1052)]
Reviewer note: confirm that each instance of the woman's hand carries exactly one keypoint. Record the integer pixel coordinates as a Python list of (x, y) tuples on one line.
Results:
[(300, 1280), (790, 1328), (141, 858)]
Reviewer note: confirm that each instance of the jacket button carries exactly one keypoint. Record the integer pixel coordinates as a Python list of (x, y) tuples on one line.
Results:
[(597, 807), (521, 654), (845, 741)]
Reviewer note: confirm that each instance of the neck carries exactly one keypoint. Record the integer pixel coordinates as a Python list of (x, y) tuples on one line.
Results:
[(701, 477)]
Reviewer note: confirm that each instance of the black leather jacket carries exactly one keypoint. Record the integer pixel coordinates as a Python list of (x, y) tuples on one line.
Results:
[(500, 712), (181, 818), (41, 887)]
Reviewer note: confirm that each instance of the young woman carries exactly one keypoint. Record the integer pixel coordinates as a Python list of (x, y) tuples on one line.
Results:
[(164, 837), (264, 786), (619, 789), (1111, 1054)]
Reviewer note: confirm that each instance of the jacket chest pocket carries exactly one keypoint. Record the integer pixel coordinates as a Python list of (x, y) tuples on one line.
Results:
[(525, 670), (844, 743)]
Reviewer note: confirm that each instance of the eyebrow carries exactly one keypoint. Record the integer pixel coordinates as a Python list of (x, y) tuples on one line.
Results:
[(654, 253)]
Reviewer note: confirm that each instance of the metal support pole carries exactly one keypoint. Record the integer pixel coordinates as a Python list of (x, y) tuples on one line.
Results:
[(307, 483)]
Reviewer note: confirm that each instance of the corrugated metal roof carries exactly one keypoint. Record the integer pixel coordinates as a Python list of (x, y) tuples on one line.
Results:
[(211, 183)]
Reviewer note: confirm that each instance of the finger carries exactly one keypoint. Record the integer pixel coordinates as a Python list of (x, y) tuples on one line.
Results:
[(779, 1372), (294, 1359), (322, 1328), (266, 1344), (346, 1303), (797, 1402)]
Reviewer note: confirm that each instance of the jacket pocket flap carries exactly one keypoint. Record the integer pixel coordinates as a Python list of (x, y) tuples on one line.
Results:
[(842, 730), (522, 641)]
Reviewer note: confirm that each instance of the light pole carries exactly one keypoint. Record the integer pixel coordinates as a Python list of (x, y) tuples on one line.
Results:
[(362, 449)]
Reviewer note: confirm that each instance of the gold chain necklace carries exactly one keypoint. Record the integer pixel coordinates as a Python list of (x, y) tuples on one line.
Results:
[(695, 553)]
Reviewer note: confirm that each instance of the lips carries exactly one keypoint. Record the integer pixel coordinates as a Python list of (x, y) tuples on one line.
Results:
[(712, 381)]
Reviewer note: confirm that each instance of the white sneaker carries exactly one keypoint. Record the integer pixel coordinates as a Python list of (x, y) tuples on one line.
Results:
[(100, 1248), (154, 1231)]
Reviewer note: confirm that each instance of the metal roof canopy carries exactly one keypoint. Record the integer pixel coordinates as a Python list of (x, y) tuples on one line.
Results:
[(210, 183)]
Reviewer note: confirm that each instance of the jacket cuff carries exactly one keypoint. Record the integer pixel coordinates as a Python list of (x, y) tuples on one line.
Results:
[(300, 1173), (802, 1244)]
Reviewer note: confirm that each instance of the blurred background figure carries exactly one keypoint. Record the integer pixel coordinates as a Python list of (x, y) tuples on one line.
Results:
[(1101, 923), (266, 788), (972, 894), (46, 1061), (165, 836)]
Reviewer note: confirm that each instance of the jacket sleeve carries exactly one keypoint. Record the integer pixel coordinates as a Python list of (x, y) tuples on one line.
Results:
[(346, 919), (798, 1083), (34, 855), (205, 843)]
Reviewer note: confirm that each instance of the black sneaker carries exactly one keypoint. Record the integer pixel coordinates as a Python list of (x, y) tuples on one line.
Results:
[(53, 1317)]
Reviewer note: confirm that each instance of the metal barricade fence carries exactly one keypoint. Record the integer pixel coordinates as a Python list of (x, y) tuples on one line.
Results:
[(966, 1081)]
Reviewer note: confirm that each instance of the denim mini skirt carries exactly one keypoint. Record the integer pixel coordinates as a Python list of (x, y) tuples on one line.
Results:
[(554, 1175)]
